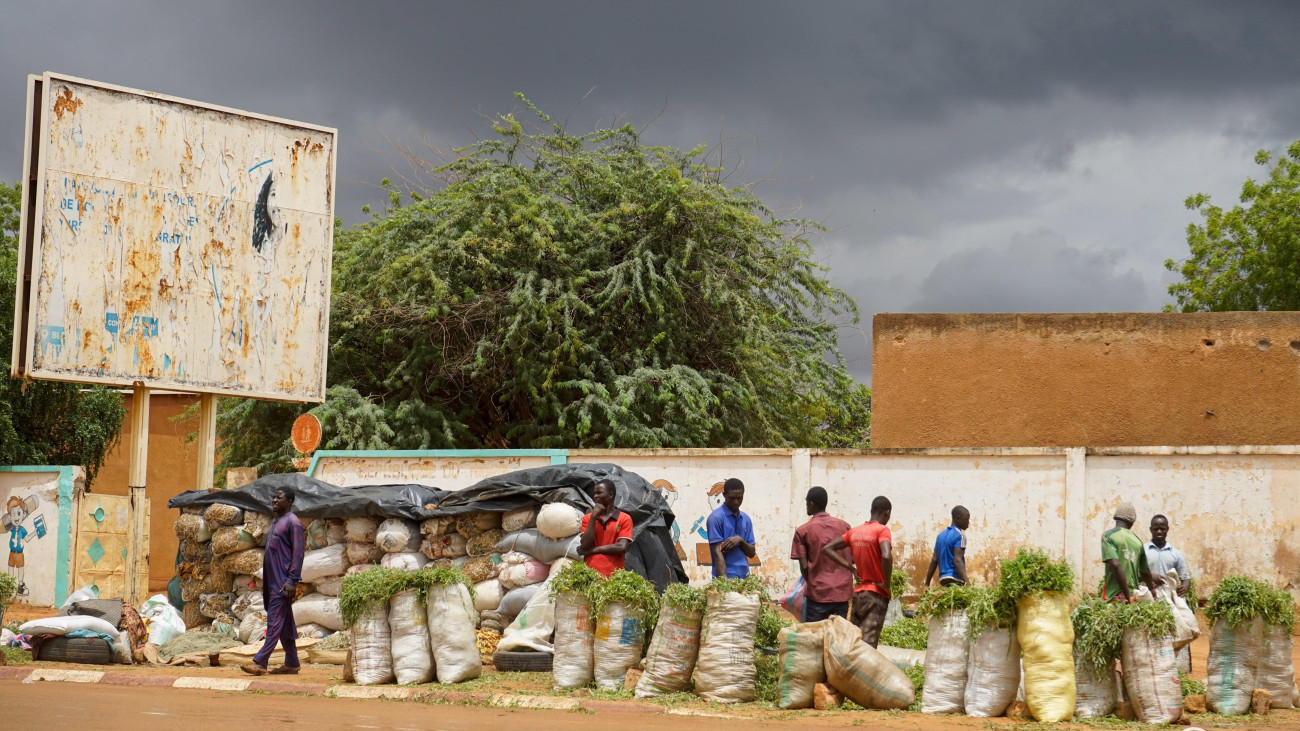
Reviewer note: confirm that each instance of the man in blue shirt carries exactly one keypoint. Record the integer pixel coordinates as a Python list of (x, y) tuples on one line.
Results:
[(950, 551), (731, 533)]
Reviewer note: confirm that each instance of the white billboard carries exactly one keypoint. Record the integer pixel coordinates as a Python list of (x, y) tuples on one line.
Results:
[(174, 243)]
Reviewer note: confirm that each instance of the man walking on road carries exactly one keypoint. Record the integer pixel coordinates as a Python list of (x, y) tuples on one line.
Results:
[(950, 551), (1125, 558), (827, 585), (871, 547), (606, 532), (281, 572), (731, 533)]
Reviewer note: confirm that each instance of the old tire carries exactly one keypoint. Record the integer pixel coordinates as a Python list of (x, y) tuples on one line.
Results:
[(85, 650), (523, 662)]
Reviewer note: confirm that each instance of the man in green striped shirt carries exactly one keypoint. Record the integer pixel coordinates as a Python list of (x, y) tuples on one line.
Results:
[(1125, 557)]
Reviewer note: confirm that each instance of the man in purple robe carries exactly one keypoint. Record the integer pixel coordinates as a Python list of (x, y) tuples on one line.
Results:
[(281, 572)]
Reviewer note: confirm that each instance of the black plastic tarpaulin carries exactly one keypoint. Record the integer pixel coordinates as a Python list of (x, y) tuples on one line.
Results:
[(652, 554)]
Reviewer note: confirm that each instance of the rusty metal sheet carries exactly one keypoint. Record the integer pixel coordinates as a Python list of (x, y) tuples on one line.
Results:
[(178, 244)]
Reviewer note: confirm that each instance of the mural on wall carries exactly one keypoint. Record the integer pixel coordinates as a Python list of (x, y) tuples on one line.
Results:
[(698, 527), (30, 524)]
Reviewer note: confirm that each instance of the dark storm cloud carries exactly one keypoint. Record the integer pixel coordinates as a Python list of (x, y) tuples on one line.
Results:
[(931, 136)]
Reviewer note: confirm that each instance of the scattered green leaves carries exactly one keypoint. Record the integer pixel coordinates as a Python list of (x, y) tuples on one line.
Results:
[(767, 676), (916, 674), (1190, 686), (16, 656), (909, 633)]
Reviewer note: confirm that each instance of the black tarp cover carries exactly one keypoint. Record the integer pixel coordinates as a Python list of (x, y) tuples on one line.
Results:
[(652, 553)]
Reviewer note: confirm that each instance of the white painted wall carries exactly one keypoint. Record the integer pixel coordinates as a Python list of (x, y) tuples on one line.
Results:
[(39, 552), (1232, 509)]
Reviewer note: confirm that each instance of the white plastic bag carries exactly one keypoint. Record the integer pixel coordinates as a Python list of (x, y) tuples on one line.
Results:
[(1151, 676), (455, 649), (993, 673), (725, 670), (64, 625), (85, 593), (398, 536), (246, 604), (320, 609), (165, 622), (409, 624), (617, 647), (802, 666), (520, 569), (1186, 628), (252, 629), (372, 650), (323, 562), (947, 656), (557, 521), (518, 519), (674, 648), (533, 625), (574, 637), (312, 631)]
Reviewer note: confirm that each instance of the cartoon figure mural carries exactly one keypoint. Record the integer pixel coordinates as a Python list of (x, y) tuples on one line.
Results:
[(17, 511)]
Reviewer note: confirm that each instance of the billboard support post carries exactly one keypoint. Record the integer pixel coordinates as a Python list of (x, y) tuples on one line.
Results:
[(137, 562), (207, 440)]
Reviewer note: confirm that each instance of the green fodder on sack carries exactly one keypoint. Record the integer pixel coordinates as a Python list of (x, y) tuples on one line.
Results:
[(941, 600), (770, 622), (632, 591), (748, 585), (685, 596), (1098, 634), (377, 586), (909, 633), (577, 577), (988, 610), (1033, 571), (1238, 599)]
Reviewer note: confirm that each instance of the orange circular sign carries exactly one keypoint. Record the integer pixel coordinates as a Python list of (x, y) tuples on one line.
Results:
[(306, 433)]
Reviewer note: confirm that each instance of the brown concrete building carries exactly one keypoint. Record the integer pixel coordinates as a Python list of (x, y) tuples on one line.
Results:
[(1096, 380), (173, 465)]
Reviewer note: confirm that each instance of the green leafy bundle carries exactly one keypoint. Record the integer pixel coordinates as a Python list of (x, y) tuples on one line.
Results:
[(1033, 571), (898, 584), (685, 596), (944, 599), (632, 591), (747, 585), (1238, 599), (770, 622), (988, 608), (1098, 634), (908, 633), (577, 577), (767, 677), (377, 586)]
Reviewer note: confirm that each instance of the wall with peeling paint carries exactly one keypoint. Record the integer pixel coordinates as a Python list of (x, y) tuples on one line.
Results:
[(1085, 380), (1232, 509), (178, 244)]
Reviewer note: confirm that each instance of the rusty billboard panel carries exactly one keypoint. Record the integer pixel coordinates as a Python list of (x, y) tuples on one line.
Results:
[(174, 243)]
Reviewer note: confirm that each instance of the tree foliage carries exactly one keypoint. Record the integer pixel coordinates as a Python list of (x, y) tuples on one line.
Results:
[(561, 290), (46, 422), (1246, 258)]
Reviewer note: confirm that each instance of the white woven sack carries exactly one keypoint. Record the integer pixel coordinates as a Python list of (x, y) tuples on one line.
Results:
[(361, 529), (487, 595), (404, 561), (557, 521), (409, 624), (322, 562), (318, 608), (674, 648), (1096, 694), (617, 645), (992, 673), (725, 670), (1233, 666), (1151, 676), (329, 586), (398, 536), (252, 628), (372, 647), (572, 665), (1276, 674), (455, 647), (947, 655), (518, 519), (801, 663)]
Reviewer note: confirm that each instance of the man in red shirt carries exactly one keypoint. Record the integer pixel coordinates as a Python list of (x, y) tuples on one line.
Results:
[(873, 557), (827, 585), (606, 532)]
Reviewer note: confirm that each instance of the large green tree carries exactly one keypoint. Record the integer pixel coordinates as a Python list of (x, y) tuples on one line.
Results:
[(1248, 257), (561, 290), (44, 422)]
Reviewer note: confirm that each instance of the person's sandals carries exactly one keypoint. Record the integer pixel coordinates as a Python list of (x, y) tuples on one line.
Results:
[(253, 668), (284, 670)]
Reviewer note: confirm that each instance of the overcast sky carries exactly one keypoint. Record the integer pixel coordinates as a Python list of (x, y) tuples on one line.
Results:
[(969, 156)]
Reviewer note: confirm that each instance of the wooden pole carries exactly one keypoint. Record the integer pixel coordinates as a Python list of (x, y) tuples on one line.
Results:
[(137, 561), (207, 439)]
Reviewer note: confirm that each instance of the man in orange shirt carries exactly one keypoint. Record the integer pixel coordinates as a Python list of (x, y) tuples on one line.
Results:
[(873, 560), (606, 531)]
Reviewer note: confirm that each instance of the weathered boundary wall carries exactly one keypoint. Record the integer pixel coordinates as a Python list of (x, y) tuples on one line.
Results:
[(1097, 380), (1233, 509)]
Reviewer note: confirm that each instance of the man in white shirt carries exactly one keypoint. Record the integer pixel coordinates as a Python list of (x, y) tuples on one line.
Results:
[(1161, 557)]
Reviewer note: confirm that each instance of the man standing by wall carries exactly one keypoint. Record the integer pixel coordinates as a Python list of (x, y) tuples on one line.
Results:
[(731, 533), (1161, 557), (950, 551), (871, 547), (606, 531), (827, 584), (281, 572), (1125, 558)]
